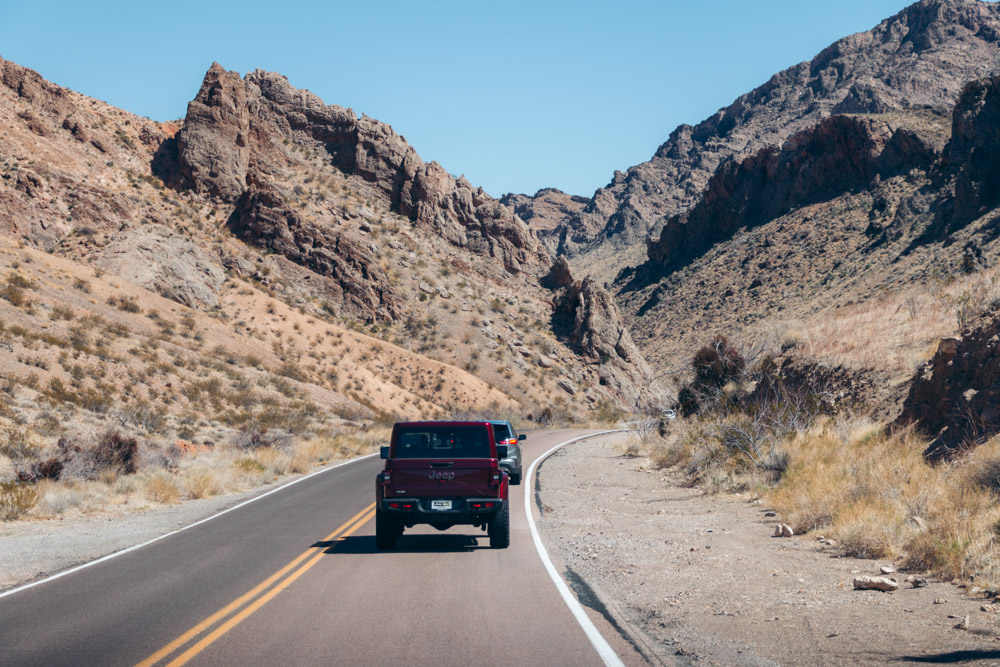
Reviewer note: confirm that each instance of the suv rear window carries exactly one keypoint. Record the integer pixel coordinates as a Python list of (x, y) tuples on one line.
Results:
[(501, 432), (436, 442)]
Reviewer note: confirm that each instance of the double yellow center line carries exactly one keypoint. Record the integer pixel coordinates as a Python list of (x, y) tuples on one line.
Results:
[(247, 604)]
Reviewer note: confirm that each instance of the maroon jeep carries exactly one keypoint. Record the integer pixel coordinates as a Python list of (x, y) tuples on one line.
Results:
[(444, 474)]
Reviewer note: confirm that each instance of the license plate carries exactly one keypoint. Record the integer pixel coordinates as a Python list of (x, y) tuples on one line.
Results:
[(440, 504)]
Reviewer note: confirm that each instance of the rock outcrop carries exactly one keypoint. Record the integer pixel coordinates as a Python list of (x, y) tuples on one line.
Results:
[(241, 132), (974, 150), (586, 315), (358, 284), (166, 262), (840, 154), (955, 398), (543, 210)]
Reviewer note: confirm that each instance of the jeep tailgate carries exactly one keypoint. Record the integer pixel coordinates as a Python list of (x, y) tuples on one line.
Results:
[(425, 478)]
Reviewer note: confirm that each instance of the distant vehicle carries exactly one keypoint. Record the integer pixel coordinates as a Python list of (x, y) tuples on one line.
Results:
[(669, 415), (442, 474), (505, 434)]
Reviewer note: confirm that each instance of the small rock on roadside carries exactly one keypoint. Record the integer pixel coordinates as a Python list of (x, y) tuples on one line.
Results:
[(770, 514), (875, 583), (963, 624), (916, 582), (940, 601), (783, 530), (887, 569)]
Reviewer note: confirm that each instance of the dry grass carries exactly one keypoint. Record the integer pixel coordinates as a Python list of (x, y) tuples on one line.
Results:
[(162, 488), (873, 493), (894, 331), (878, 498)]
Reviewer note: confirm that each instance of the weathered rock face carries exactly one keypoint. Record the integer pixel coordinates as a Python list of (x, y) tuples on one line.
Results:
[(955, 398), (841, 154), (975, 149), (238, 132), (43, 201), (543, 210), (164, 261), (358, 284), (924, 55), (586, 314), (29, 85)]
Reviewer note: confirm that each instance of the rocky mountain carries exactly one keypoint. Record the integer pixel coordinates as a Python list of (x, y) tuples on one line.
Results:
[(269, 258), (859, 209), (922, 56)]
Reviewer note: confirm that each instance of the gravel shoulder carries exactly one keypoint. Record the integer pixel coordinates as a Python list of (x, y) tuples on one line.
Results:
[(700, 579)]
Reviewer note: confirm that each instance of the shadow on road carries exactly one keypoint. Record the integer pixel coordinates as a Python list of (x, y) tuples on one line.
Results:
[(953, 657), (365, 544)]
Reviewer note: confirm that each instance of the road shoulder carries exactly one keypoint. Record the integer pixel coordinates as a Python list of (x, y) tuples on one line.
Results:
[(701, 578)]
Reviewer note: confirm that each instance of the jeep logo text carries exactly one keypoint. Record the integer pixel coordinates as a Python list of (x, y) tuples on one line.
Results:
[(441, 475)]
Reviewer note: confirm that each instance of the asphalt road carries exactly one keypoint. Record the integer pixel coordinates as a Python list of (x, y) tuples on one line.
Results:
[(295, 578)]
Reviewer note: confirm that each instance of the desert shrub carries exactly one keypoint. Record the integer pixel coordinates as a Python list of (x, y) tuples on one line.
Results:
[(161, 488), (16, 499), (50, 468), (56, 499), (293, 371), (115, 451), (17, 444), (254, 436), (202, 482), (127, 303), (718, 363), (714, 366), (142, 414), (248, 464), (552, 416)]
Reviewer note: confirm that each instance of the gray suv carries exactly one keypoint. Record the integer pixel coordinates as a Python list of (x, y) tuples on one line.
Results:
[(504, 434)]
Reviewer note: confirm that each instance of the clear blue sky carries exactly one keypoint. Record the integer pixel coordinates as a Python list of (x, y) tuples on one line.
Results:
[(517, 96)]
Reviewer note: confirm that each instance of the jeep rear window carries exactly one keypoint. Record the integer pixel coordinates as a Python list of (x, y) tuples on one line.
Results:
[(436, 442)]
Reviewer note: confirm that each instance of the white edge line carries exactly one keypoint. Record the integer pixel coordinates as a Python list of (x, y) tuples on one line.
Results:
[(602, 646), (136, 547)]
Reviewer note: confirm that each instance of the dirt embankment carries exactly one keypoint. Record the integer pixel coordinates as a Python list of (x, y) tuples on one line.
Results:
[(701, 579)]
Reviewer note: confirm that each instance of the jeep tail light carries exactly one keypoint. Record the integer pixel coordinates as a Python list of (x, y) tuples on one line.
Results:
[(496, 476), (386, 476)]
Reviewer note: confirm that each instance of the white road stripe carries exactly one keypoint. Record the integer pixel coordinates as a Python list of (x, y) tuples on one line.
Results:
[(116, 554), (604, 649)]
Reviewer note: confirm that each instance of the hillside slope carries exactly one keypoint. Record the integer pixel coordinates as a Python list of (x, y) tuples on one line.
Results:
[(267, 258), (856, 243)]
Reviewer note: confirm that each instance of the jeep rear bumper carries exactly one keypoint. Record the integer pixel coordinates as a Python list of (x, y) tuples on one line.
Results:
[(467, 511)]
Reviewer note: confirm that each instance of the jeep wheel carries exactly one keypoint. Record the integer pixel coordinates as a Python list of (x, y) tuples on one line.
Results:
[(387, 530), (499, 529)]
